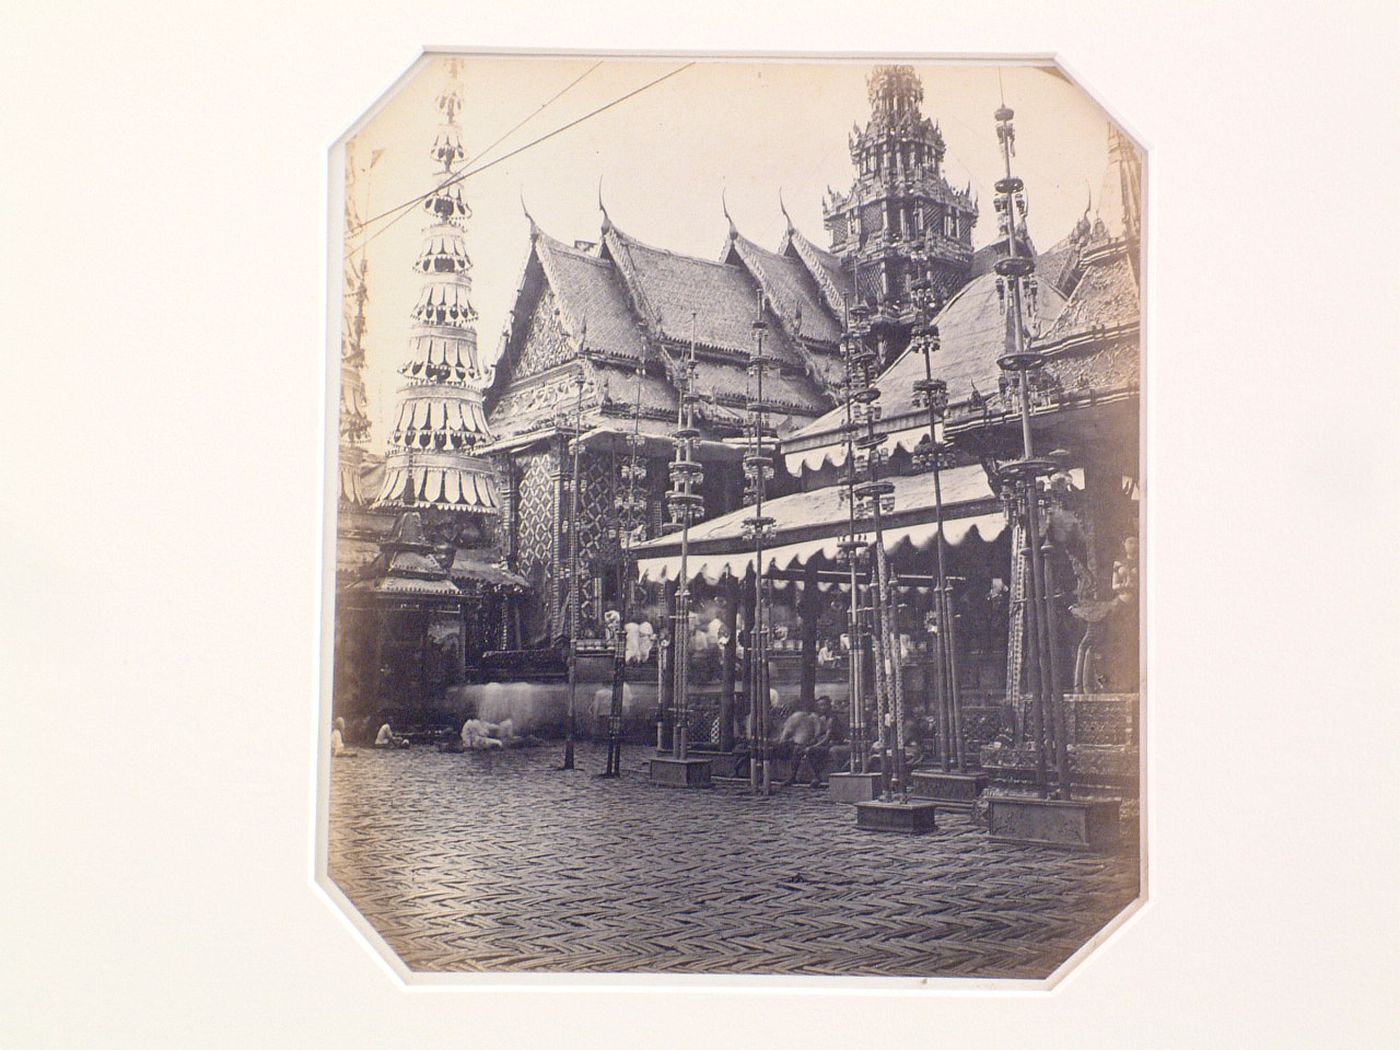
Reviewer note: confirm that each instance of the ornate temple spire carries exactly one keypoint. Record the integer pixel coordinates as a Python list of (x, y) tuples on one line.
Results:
[(432, 461), (901, 206), (1119, 212), (354, 405)]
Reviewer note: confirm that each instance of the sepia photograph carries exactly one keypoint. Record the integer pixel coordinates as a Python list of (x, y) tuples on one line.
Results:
[(738, 521), (608, 525)]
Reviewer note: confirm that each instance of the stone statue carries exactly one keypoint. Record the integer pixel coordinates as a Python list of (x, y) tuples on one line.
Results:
[(1107, 654)]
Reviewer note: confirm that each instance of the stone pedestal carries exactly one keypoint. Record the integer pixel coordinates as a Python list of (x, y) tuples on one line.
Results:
[(680, 772), (1070, 824), (914, 817), (722, 763), (852, 787), (950, 790)]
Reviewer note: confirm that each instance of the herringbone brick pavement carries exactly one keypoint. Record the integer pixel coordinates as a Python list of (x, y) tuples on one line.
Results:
[(497, 862)]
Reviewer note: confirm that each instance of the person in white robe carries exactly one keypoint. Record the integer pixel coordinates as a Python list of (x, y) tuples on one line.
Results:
[(478, 735)]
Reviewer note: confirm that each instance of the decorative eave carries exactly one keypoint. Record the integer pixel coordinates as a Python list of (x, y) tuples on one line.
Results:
[(513, 329), (805, 251), (748, 255)]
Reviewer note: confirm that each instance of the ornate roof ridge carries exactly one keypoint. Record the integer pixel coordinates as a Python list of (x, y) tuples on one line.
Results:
[(554, 244), (633, 242), (810, 256)]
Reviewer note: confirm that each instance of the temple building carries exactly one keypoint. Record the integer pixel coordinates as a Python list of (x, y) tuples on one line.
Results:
[(1083, 314), (476, 523), (634, 309)]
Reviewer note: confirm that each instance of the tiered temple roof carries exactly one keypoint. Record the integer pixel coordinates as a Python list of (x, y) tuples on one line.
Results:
[(631, 302), (1090, 336), (1094, 345), (972, 335)]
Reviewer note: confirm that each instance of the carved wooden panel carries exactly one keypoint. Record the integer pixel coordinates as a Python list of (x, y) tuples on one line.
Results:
[(546, 344), (536, 528)]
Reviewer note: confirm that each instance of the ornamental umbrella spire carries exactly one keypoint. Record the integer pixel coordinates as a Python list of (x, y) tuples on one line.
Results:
[(354, 405), (432, 461)]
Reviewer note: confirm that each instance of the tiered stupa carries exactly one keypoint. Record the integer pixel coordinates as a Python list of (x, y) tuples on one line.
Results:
[(432, 462)]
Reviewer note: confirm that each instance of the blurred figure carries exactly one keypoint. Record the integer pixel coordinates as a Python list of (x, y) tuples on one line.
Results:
[(386, 738), (799, 732), (338, 741), (478, 735)]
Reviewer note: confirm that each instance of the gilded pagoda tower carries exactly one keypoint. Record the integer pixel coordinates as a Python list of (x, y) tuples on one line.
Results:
[(432, 462), (900, 216)]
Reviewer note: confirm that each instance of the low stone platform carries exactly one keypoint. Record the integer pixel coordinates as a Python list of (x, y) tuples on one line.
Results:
[(722, 763), (1071, 824), (915, 817), (852, 787), (679, 772), (950, 790)]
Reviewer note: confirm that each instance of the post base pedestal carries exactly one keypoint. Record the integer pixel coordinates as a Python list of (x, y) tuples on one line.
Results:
[(680, 772), (1069, 824), (914, 817), (949, 790), (722, 763), (852, 787)]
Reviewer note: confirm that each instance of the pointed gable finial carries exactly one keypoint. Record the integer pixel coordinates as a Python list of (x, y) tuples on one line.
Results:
[(607, 221), (782, 207), (534, 228), (724, 205)]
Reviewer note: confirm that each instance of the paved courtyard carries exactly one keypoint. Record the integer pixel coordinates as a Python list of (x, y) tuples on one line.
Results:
[(476, 862)]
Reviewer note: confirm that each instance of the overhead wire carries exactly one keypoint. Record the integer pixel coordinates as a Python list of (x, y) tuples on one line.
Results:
[(511, 131), (403, 208)]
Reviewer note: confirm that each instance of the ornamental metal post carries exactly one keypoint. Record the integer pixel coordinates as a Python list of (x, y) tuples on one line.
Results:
[(631, 523), (580, 381), (1023, 476), (851, 549), (934, 394), (877, 498), (684, 506), (759, 527)]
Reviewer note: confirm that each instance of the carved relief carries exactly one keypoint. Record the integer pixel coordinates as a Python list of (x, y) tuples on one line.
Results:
[(535, 530), (546, 343)]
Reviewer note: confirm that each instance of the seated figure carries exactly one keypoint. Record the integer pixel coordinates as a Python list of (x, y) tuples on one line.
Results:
[(338, 739), (386, 738), (478, 735)]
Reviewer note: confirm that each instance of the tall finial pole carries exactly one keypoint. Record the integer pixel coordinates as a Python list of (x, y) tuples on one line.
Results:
[(1020, 479), (853, 550), (684, 506), (873, 498), (575, 583), (934, 394), (632, 529), (758, 529)]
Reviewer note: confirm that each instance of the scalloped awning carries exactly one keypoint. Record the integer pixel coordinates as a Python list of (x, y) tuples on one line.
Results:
[(810, 523)]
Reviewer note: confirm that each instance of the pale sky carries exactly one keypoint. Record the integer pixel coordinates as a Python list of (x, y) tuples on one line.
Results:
[(666, 156)]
